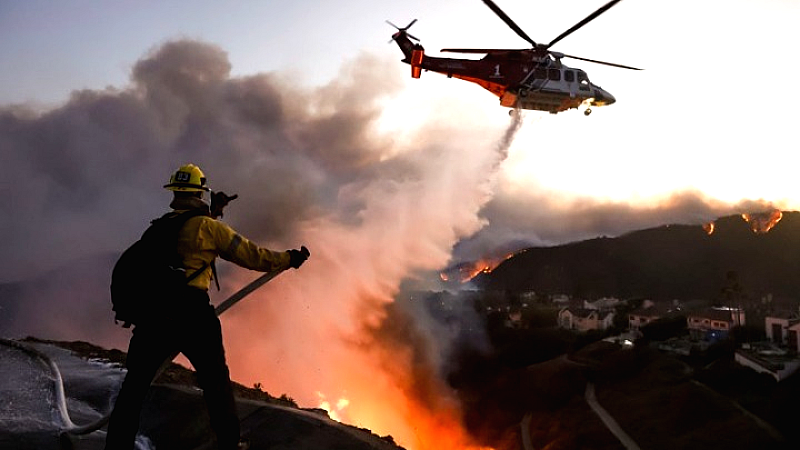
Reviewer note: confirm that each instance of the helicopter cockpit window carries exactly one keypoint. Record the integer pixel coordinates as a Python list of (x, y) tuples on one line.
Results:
[(554, 74), (583, 80), (569, 76), (540, 73)]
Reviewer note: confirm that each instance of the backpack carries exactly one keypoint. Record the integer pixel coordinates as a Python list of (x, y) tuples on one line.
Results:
[(151, 271)]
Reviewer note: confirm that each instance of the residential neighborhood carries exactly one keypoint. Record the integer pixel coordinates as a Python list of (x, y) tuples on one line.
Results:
[(742, 355), (776, 354)]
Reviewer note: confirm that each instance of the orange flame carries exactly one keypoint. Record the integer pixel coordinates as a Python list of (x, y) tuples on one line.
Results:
[(370, 382), (387, 401), (465, 272), (709, 228), (762, 222)]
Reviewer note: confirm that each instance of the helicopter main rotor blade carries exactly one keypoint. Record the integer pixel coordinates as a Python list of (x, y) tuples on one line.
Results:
[(509, 22), (596, 61), (583, 22), (484, 50)]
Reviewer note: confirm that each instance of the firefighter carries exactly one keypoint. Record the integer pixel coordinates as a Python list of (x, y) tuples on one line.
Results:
[(187, 323)]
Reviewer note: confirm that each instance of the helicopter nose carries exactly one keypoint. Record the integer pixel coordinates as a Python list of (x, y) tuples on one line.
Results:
[(603, 97)]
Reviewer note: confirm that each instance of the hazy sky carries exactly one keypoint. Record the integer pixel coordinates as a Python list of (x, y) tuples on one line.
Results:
[(714, 109), (305, 110)]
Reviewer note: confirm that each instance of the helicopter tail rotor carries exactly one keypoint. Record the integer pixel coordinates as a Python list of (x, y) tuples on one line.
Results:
[(404, 29)]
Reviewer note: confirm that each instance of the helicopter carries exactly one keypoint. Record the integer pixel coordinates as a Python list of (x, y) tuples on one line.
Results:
[(532, 78)]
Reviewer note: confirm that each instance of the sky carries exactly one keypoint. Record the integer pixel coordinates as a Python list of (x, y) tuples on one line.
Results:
[(714, 95), (305, 110), (706, 99)]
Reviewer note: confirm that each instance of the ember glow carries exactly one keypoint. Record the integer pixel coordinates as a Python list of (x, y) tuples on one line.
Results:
[(761, 223)]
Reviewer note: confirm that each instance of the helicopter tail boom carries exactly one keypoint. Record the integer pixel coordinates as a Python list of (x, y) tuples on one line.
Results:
[(417, 56), (414, 52)]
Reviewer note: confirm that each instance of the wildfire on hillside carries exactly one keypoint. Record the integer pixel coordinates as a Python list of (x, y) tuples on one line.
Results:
[(762, 222), (709, 228), (466, 271)]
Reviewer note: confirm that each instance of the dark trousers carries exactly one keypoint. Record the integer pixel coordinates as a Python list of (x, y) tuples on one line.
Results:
[(193, 329)]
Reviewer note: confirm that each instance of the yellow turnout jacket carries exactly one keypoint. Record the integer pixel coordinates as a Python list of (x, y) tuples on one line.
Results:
[(202, 239)]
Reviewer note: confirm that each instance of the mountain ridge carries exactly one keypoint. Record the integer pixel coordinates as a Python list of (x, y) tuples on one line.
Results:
[(662, 263)]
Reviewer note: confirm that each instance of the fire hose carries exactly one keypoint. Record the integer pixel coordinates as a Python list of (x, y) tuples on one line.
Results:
[(55, 374), (68, 426)]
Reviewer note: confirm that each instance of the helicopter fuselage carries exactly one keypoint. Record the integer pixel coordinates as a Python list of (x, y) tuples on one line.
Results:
[(520, 78), (532, 78)]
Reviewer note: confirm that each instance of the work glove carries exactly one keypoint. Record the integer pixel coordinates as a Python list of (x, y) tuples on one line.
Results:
[(220, 200), (298, 257)]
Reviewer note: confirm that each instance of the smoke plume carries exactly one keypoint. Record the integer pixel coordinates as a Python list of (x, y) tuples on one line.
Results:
[(81, 181)]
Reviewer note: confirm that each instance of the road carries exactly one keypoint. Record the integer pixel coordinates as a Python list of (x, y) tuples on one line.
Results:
[(608, 420)]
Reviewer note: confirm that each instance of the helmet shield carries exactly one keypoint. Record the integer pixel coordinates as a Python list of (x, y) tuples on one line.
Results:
[(188, 178)]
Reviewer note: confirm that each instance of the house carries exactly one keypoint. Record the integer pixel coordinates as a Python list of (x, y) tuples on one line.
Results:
[(782, 329), (602, 304), (778, 355), (514, 318), (768, 358), (793, 337), (582, 319), (714, 323), (649, 312), (561, 299)]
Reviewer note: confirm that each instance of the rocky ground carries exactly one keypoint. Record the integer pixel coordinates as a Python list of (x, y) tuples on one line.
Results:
[(174, 415)]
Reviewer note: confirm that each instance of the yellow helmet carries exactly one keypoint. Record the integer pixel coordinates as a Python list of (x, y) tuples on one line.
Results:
[(188, 178)]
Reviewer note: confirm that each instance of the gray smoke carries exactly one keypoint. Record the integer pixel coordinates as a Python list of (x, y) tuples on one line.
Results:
[(87, 176), (541, 218), (82, 181)]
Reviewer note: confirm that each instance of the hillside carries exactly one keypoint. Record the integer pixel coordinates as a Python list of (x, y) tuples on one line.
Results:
[(663, 263), (660, 401), (173, 416)]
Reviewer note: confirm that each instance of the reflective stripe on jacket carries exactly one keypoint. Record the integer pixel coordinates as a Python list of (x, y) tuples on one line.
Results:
[(202, 239)]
